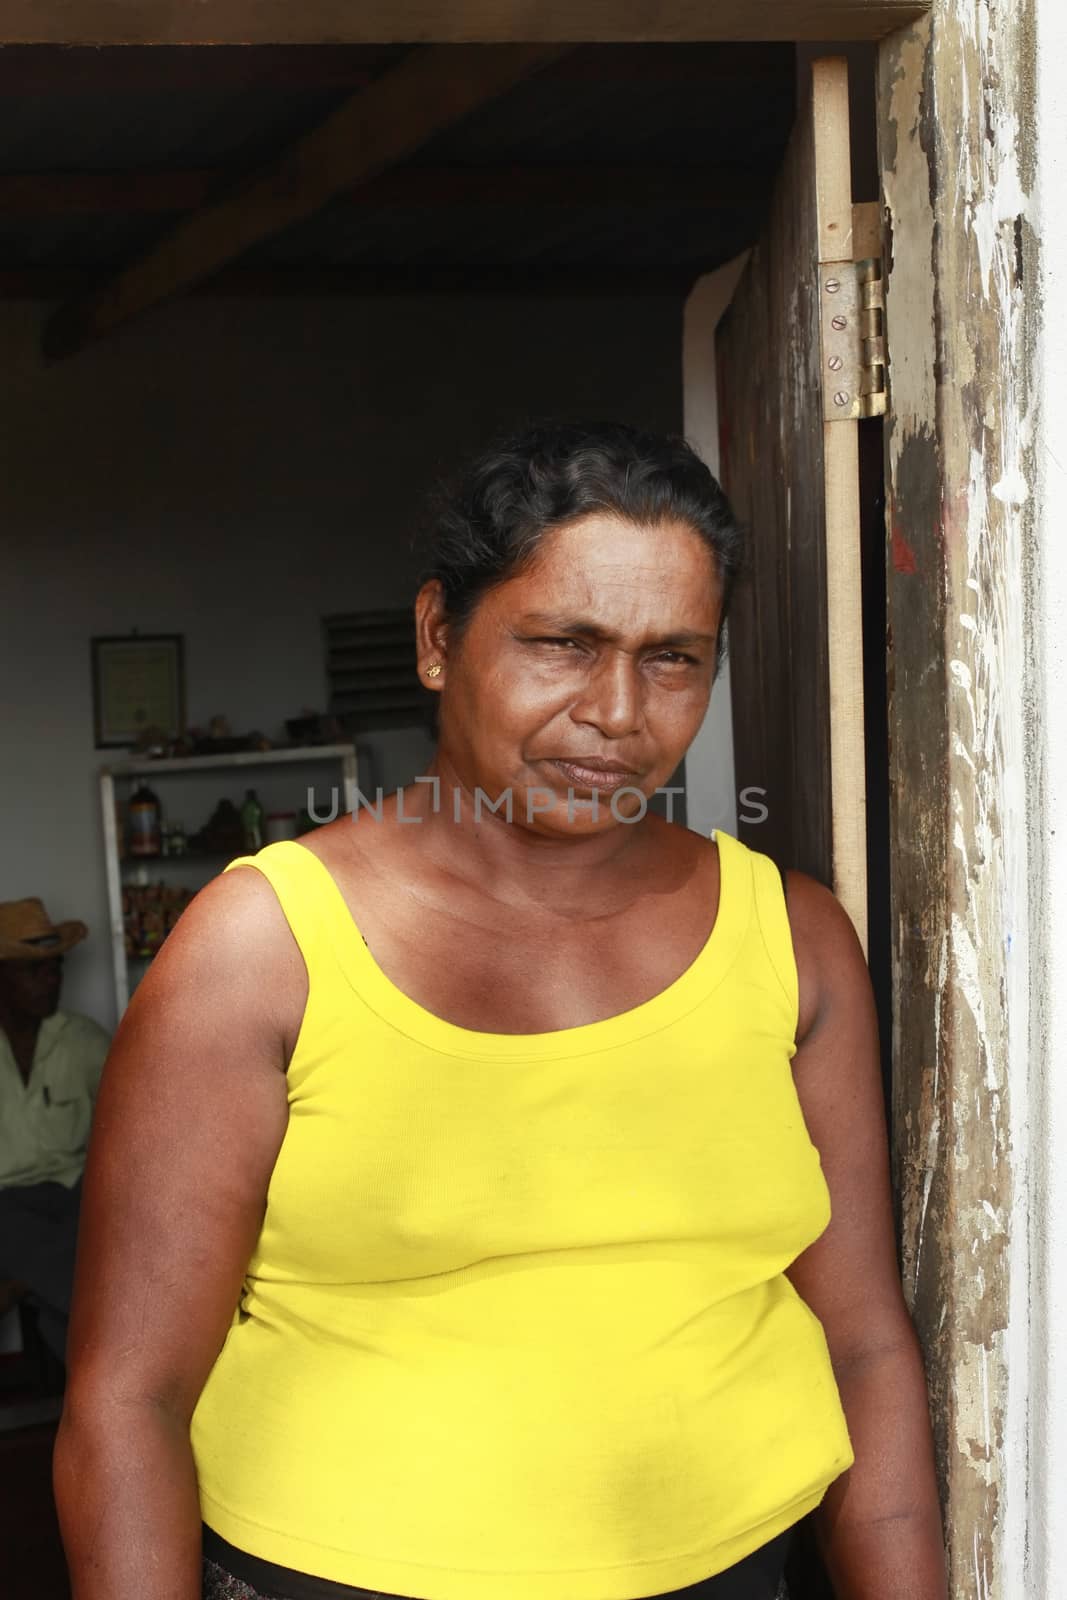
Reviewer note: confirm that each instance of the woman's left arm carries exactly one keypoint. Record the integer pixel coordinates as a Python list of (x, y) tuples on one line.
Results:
[(879, 1526)]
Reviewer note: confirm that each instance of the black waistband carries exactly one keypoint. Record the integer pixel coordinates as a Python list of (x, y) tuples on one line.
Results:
[(755, 1578), (273, 1582)]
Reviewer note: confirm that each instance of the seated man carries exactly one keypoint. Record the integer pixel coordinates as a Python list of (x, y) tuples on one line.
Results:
[(50, 1063)]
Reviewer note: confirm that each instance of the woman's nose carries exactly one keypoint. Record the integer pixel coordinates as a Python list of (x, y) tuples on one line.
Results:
[(612, 700)]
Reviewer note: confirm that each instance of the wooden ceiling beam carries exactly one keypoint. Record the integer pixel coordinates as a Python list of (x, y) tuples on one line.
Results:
[(28, 71), (429, 90), (59, 194), (410, 187), (45, 284), (310, 22)]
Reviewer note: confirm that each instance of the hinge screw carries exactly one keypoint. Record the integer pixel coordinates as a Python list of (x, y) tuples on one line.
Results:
[(832, 285), (839, 322), (841, 398), (835, 363)]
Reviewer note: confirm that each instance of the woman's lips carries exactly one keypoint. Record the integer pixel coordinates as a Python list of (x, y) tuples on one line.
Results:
[(605, 778)]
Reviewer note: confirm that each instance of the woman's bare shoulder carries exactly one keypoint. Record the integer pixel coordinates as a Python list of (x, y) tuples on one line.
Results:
[(829, 957), (236, 913), (232, 950)]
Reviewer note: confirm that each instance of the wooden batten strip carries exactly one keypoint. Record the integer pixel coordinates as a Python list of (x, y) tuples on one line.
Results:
[(844, 578), (47, 194)]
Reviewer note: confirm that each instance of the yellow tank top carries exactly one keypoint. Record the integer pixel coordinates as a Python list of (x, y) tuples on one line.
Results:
[(516, 1325)]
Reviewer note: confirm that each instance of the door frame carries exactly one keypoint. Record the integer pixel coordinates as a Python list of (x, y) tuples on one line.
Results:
[(139, 22), (963, 318), (963, 325)]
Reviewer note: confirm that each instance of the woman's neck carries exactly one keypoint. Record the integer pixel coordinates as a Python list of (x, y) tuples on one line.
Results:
[(516, 863)]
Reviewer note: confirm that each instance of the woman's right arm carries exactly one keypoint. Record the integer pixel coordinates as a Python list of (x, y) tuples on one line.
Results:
[(190, 1118)]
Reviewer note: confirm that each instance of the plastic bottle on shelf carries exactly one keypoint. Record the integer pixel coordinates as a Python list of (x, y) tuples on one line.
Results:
[(145, 817), (252, 821), (279, 825)]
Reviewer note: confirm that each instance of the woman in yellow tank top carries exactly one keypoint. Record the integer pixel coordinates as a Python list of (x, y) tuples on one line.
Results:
[(488, 1198)]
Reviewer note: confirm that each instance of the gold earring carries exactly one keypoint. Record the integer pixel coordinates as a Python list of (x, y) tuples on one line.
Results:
[(434, 669)]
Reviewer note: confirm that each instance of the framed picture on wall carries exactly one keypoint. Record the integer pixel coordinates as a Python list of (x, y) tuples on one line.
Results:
[(138, 683)]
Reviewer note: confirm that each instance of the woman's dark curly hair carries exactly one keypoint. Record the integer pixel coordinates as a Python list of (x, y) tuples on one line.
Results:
[(489, 523)]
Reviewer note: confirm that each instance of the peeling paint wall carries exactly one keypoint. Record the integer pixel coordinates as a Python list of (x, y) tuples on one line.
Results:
[(958, 153), (1046, 709)]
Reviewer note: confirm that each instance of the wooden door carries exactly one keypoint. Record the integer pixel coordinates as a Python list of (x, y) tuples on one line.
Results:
[(798, 362)]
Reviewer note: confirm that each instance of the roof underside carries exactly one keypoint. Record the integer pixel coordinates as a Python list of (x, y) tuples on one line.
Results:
[(617, 158)]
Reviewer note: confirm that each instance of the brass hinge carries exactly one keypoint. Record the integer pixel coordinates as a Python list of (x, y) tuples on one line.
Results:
[(852, 306)]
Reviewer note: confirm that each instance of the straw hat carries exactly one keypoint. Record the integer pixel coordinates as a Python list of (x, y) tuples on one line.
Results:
[(27, 932)]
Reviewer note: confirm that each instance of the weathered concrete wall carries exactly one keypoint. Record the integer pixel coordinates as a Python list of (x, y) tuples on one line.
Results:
[(958, 156)]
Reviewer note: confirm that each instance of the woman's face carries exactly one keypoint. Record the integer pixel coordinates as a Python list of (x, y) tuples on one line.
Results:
[(589, 672)]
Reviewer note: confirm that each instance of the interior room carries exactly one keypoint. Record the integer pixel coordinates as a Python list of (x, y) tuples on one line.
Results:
[(267, 271), (218, 448), (208, 469)]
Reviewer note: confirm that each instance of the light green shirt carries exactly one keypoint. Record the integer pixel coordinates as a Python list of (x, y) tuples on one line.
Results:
[(44, 1123)]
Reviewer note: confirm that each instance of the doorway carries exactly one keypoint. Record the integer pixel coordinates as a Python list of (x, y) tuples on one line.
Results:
[(676, 182)]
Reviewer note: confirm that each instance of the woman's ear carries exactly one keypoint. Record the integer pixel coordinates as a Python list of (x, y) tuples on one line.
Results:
[(431, 634)]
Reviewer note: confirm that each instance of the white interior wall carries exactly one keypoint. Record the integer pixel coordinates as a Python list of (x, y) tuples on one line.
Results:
[(231, 470), (711, 801)]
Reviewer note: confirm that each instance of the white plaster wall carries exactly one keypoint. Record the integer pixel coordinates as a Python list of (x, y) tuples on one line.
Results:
[(1047, 829), (231, 470), (711, 800)]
